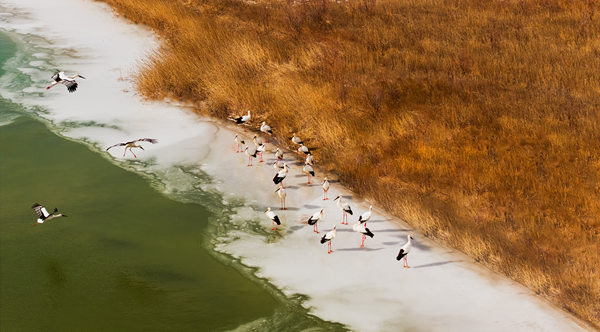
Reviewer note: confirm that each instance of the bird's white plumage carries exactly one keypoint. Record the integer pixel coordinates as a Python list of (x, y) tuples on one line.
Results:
[(366, 216)]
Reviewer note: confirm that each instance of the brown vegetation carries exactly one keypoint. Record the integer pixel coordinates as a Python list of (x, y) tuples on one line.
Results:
[(475, 121)]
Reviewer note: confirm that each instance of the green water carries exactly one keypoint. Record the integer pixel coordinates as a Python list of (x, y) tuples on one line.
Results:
[(125, 259)]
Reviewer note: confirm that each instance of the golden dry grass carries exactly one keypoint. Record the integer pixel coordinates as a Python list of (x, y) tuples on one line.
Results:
[(475, 121)]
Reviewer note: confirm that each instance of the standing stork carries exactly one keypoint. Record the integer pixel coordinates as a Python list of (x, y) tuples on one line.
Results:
[(328, 238), (260, 151), (363, 218), (69, 82), (241, 119), (303, 149), (43, 214), (281, 192), (250, 155), (307, 169), (404, 252), (257, 140), (309, 159), (274, 218), (132, 145), (362, 229), (314, 219), (325, 188), (296, 140), (345, 207), (278, 164), (240, 143), (280, 176), (279, 154), (267, 130)]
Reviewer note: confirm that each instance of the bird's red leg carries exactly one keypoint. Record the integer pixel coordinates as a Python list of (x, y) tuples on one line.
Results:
[(261, 157), (362, 244), (308, 179), (272, 225), (284, 204), (132, 152), (125, 152)]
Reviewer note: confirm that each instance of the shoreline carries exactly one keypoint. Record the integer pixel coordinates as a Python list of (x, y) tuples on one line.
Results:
[(296, 243)]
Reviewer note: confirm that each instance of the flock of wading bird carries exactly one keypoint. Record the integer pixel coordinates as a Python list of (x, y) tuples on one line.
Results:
[(307, 168), (282, 171)]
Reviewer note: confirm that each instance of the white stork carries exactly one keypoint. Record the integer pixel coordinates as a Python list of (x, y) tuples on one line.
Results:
[(404, 252), (280, 176), (362, 229), (260, 150), (132, 145), (314, 219), (309, 159), (267, 130), (278, 164), (250, 155), (345, 207), (325, 188), (303, 149), (281, 192), (274, 218), (69, 82), (363, 218), (241, 119), (257, 140), (307, 169), (296, 140), (240, 143), (43, 214), (328, 238), (279, 154)]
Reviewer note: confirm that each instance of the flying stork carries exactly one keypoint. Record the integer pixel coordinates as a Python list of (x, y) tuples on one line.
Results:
[(43, 214), (69, 82), (132, 145)]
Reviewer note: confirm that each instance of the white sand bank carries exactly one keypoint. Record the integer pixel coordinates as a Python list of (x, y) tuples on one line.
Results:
[(365, 289)]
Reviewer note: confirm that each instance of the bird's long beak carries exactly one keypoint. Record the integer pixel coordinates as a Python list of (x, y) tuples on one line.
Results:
[(82, 77), (142, 148)]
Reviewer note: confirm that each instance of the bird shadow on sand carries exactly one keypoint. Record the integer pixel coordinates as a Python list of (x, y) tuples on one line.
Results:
[(291, 209), (434, 264), (293, 229), (359, 249), (376, 221), (292, 187), (312, 206)]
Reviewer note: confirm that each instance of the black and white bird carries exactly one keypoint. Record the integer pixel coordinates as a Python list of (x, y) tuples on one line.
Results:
[(307, 169), (240, 143), (279, 154), (280, 176), (69, 82), (43, 214), (362, 229), (314, 219), (309, 159), (303, 149), (274, 218), (404, 251), (345, 207), (363, 218), (260, 149), (267, 130), (241, 119), (250, 154), (278, 164), (132, 145), (327, 238), (325, 188), (296, 140), (257, 140), (281, 192)]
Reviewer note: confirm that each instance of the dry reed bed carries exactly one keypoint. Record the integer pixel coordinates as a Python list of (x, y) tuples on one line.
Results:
[(475, 121)]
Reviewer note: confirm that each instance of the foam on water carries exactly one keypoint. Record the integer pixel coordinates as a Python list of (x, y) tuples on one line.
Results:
[(194, 162)]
